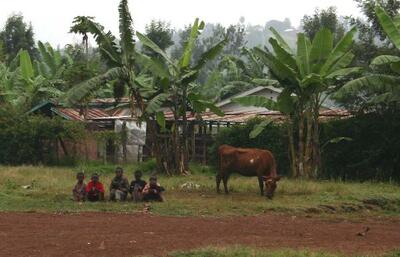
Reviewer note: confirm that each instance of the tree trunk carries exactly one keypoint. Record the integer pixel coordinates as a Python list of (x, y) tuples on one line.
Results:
[(308, 162), (316, 167), (292, 151), (301, 144), (184, 165)]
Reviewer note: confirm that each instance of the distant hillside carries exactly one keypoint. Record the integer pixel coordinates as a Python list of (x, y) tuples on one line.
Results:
[(256, 35)]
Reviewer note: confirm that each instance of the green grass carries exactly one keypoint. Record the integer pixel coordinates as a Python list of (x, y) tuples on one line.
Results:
[(239, 251), (51, 192)]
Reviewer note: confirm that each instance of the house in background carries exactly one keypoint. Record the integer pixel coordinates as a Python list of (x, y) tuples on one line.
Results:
[(228, 106), (107, 115), (101, 115), (270, 92)]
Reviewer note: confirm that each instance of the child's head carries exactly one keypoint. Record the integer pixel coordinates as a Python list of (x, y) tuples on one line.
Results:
[(138, 174), (153, 180), (95, 177), (119, 171), (80, 176)]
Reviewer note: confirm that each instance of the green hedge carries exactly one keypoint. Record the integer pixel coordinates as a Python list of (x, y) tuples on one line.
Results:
[(373, 153), (273, 138), (32, 139)]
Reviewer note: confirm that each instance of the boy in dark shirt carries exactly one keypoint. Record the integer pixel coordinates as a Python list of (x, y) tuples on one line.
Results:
[(95, 189), (153, 191), (137, 186), (79, 190), (119, 187)]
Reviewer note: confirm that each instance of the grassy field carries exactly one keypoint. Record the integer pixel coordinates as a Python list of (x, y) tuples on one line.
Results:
[(50, 191), (255, 252)]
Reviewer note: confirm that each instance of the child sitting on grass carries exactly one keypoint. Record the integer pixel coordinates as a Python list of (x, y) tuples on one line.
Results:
[(79, 190), (95, 189), (136, 187), (153, 191), (119, 187)]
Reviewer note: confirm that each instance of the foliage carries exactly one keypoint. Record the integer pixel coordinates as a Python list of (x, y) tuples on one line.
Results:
[(33, 139), (306, 77), (380, 86), (177, 92), (367, 7), (371, 154), (325, 18), (160, 33), (85, 65), (17, 35)]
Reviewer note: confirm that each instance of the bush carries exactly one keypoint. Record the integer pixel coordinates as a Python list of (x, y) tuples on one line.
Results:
[(273, 138), (28, 139), (372, 154)]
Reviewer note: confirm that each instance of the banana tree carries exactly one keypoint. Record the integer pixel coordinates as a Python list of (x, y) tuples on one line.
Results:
[(52, 62), (306, 76), (383, 88), (121, 57), (178, 93)]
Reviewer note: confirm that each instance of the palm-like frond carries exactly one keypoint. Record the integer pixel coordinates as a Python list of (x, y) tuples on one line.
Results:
[(370, 83), (389, 26), (126, 32), (87, 88), (385, 59), (105, 40), (189, 45)]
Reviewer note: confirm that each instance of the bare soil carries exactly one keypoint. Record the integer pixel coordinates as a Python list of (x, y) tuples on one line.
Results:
[(110, 234)]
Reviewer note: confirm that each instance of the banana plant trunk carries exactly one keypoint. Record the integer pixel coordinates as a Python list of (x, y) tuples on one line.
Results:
[(184, 166), (301, 144), (316, 151), (292, 149), (308, 160)]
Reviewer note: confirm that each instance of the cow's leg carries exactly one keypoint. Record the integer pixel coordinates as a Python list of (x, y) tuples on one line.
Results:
[(261, 185), (218, 180), (225, 180)]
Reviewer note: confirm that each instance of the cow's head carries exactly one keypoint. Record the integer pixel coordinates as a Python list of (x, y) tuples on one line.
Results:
[(270, 185)]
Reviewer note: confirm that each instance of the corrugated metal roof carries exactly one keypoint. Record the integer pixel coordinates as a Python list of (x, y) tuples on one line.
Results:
[(241, 117), (109, 100), (74, 114)]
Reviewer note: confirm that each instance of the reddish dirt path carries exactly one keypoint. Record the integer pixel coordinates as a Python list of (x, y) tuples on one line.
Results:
[(102, 234)]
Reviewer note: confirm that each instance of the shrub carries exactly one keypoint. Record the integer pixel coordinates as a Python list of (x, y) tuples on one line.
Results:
[(372, 154), (28, 139)]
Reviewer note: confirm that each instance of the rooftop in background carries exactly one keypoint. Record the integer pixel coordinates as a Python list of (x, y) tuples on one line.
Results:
[(106, 110)]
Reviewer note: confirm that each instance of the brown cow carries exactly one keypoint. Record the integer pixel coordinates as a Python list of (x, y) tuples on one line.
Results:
[(247, 162)]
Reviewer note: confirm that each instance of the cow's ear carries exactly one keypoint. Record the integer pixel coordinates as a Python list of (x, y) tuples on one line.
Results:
[(265, 178), (278, 178)]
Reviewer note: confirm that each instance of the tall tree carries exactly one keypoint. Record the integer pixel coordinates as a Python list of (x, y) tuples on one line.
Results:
[(17, 35), (325, 18), (160, 33)]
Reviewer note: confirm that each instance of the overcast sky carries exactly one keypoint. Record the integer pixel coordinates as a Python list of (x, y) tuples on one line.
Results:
[(51, 19)]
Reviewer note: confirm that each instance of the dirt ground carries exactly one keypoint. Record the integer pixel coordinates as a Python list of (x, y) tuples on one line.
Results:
[(104, 234)]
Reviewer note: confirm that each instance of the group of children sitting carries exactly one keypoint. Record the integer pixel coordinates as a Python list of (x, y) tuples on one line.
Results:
[(119, 188)]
